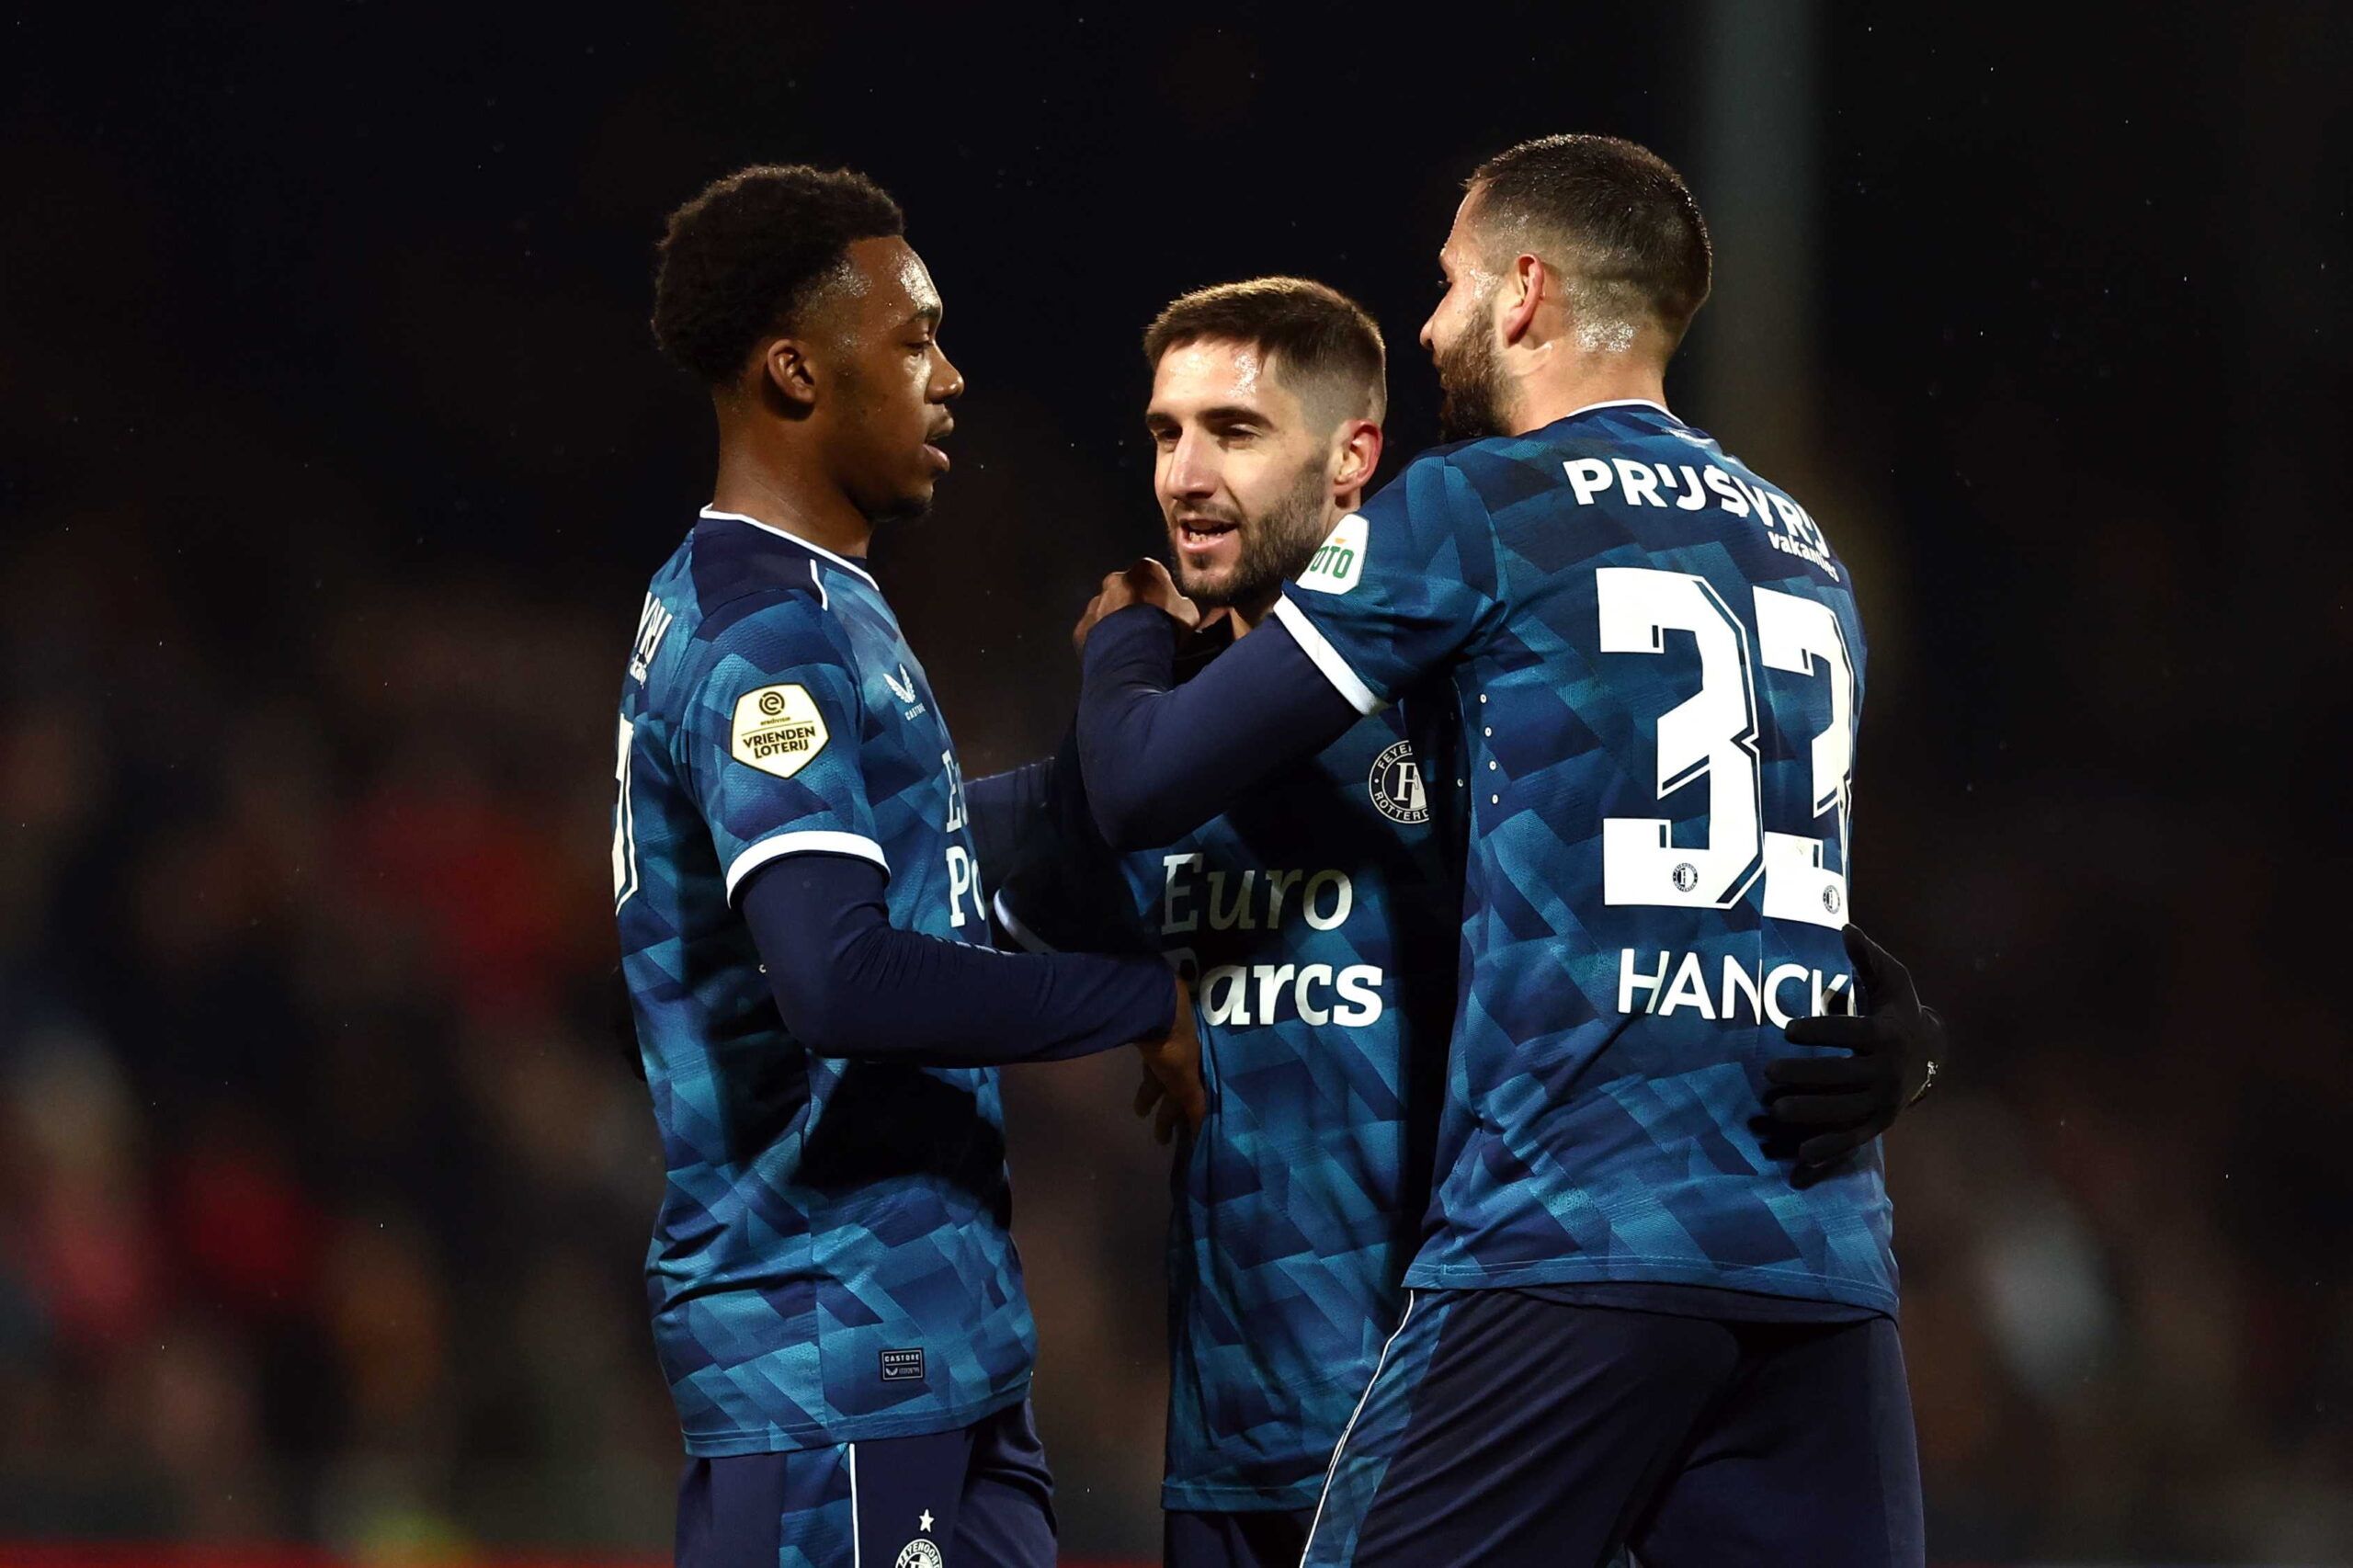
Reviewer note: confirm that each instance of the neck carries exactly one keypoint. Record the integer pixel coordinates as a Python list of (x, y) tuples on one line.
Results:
[(763, 473), (1564, 382), (1244, 617)]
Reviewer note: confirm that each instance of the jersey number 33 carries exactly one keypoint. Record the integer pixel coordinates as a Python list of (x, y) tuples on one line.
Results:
[(1712, 735)]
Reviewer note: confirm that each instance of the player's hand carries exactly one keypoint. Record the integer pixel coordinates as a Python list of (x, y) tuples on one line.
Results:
[(1171, 1091), (1145, 583), (1838, 1104)]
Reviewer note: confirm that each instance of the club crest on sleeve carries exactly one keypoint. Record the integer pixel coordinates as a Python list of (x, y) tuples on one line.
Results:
[(1339, 560), (777, 729)]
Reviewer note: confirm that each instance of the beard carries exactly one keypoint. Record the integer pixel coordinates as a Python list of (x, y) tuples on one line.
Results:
[(1276, 547), (1470, 386)]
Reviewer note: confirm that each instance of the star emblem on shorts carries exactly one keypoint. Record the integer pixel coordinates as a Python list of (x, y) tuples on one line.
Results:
[(924, 1520)]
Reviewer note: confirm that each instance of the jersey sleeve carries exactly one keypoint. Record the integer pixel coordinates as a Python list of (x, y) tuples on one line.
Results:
[(1061, 889), (1400, 587), (847, 982), (768, 739)]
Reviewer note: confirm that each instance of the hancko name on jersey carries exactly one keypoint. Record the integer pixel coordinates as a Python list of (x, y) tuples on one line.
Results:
[(1677, 984)]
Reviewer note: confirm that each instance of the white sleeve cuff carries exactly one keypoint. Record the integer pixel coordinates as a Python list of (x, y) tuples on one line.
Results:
[(1030, 941), (805, 841), (1318, 647)]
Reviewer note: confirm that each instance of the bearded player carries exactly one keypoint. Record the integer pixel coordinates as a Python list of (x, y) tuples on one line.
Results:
[(1641, 1313), (1314, 918)]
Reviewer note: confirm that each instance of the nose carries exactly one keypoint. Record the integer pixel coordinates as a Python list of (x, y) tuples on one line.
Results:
[(952, 387), (1429, 335), (1189, 470)]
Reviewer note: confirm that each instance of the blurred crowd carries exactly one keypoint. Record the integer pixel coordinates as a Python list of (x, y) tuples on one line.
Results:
[(320, 1187)]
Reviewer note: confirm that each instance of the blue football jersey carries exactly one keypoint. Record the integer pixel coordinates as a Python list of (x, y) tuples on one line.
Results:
[(831, 1261), (1659, 670), (1316, 921)]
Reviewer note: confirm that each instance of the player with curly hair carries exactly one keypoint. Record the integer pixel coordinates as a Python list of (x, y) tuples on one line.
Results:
[(836, 1299)]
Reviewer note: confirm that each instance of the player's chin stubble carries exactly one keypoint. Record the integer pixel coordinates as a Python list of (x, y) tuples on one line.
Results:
[(1470, 389), (1276, 547)]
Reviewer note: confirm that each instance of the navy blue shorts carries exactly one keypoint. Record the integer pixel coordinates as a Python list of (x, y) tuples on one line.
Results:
[(980, 1497), (1268, 1539), (1503, 1428)]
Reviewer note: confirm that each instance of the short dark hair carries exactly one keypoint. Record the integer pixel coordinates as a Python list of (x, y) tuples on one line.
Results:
[(1614, 216), (740, 261), (1311, 331)]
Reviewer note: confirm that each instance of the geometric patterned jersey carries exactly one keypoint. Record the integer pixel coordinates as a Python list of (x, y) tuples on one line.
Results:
[(1659, 669), (831, 1261), (1315, 919)]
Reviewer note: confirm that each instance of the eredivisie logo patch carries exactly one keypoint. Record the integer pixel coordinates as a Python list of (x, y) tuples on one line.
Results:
[(1339, 560), (777, 729)]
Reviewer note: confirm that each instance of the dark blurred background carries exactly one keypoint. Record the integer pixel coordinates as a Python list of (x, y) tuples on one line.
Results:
[(334, 455)]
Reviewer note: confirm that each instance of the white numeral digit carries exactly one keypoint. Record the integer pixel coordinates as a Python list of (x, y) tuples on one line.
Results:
[(1711, 735), (624, 825), (1791, 634)]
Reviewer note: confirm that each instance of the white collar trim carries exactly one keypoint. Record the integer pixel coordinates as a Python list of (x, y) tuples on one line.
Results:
[(841, 561)]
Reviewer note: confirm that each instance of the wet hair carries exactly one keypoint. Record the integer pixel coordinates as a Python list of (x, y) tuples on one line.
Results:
[(1319, 340), (746, 258), (1615, 219)]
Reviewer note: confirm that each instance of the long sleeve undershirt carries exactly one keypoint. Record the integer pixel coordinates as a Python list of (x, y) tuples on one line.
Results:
[(1002, 808), (847, 982), (1162, 759)]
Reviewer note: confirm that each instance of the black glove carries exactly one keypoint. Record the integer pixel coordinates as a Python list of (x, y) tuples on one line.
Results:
[(1838, 1104)]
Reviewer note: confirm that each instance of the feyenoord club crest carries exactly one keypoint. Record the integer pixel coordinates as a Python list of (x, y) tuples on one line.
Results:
[(920, 1553), (1396, 785)]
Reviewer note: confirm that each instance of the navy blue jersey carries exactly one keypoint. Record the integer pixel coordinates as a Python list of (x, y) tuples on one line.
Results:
[(831, 1262), (1659, 670), (1316, 920)]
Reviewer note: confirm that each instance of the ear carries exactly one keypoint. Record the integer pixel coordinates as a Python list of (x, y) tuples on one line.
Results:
[(785, 371), (1522, 292), (1356, 452)]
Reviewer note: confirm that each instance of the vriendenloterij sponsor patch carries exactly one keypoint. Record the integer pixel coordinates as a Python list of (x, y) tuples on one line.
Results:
[(777, 729)]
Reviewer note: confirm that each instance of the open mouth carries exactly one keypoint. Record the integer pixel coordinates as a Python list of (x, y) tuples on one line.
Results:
[(1202, 534), (931, 448)]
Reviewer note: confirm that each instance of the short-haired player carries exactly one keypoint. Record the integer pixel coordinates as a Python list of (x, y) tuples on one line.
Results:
[(836, 1299), (1642, 1313), (1314, 918)]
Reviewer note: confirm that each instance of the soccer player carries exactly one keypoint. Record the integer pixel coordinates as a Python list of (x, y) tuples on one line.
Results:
[(836, 1299), (1638, 1314), (1316, 918)]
